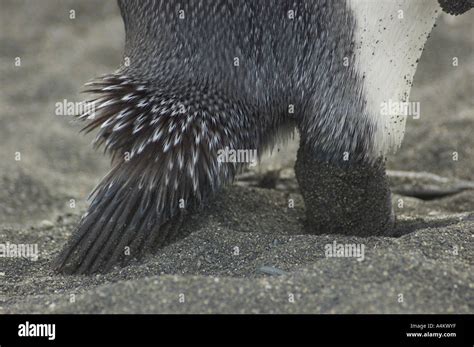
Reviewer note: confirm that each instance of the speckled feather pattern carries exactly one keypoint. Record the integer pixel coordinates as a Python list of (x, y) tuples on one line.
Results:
[(183, 97), (282, 62), (201, 76)]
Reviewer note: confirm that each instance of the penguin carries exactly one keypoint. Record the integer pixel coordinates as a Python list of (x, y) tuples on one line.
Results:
[(202, 76)]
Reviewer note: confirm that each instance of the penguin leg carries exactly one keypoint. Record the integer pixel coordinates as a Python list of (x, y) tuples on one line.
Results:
[(345, 198)]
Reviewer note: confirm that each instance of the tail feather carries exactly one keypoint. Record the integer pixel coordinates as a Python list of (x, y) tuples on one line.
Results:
[(81, 239), (114, 226), (162, 159), (101, 255), (126, 238), (121, 225)]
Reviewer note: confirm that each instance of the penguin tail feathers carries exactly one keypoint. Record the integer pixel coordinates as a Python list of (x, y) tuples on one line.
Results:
[(122, 223), (165, 146)]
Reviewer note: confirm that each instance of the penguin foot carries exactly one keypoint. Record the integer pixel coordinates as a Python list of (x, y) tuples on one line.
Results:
[(349, 199)]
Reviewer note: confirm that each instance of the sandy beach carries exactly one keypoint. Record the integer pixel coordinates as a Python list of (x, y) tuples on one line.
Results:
[(248, 251)]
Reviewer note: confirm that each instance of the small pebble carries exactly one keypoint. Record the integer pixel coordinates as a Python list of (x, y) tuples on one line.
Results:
[(271, 270), (46, 224)]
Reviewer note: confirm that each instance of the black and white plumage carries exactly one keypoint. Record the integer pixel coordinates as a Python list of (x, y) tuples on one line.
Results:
[(209, 74)]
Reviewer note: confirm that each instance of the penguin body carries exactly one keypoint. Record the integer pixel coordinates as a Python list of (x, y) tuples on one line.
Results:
[(266, 55), (202, 76)]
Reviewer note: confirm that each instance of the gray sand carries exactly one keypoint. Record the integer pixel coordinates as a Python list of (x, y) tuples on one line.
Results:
[(248, 252)]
